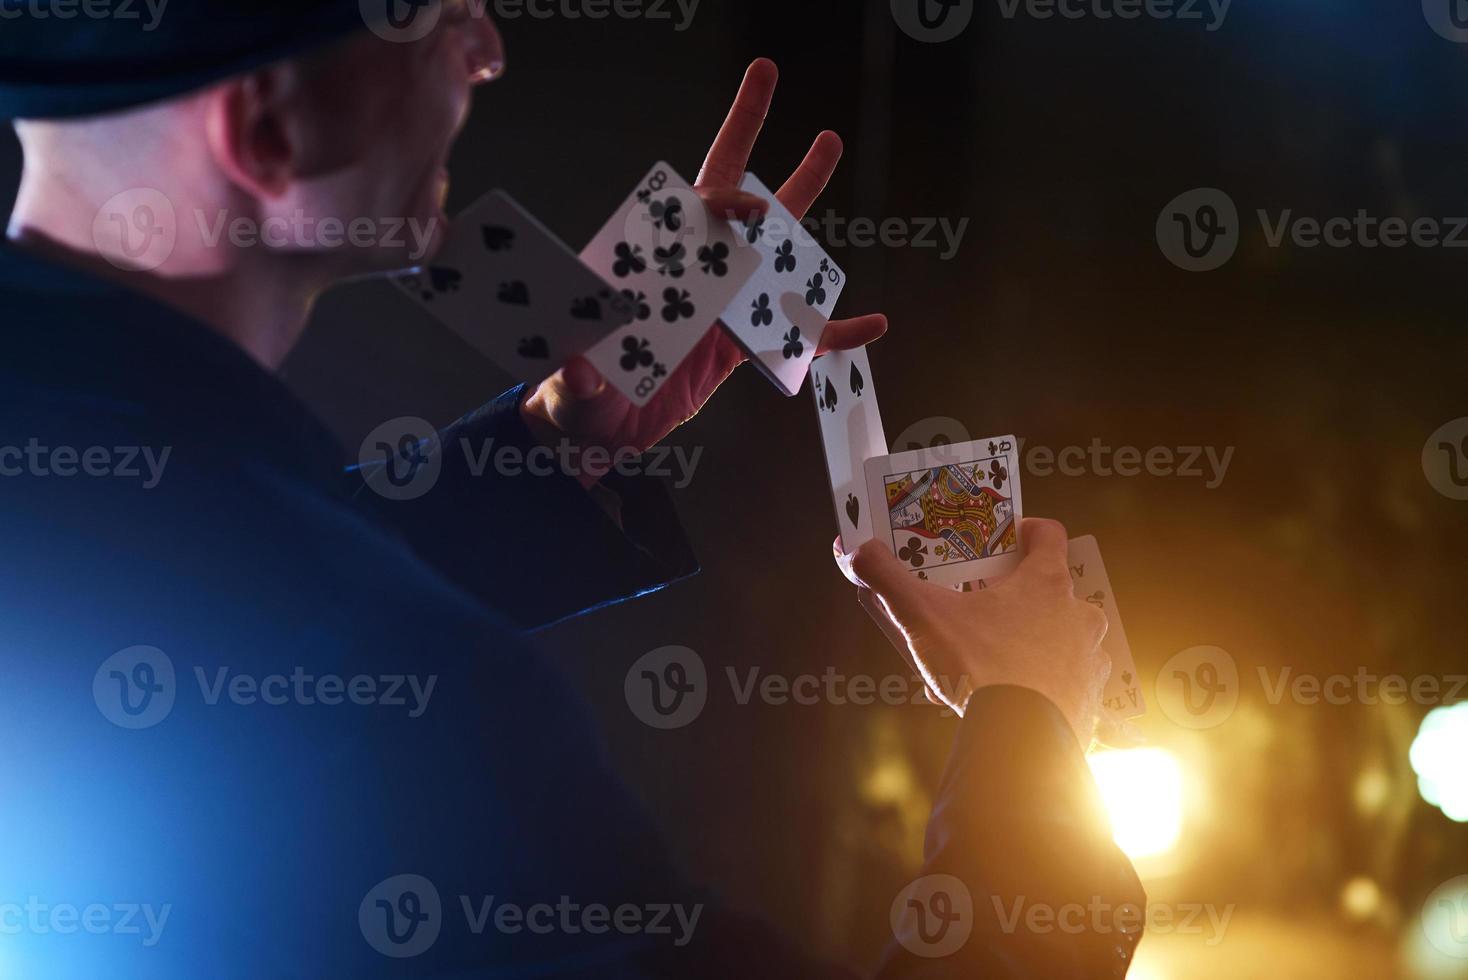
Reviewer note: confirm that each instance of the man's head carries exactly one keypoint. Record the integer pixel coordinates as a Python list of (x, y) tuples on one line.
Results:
[(332, 160)]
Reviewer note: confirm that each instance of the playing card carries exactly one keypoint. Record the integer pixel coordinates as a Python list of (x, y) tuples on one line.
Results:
[(851, 432), (1123, 691), (951, 513), (779, 315), (514, 291), (678, 267)]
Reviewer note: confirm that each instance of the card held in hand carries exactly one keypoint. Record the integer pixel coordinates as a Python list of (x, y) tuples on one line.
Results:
[(1123, 694), (516, 293), (950, 513), (780, 314), (851, 434), (677, 266)]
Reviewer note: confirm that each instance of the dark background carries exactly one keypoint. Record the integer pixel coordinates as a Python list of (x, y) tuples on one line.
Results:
[(1059, 319)]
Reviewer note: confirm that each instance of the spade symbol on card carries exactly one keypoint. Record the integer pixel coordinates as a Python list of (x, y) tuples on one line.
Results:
[(498, 239), (858, 383), (828, 396), (853, 510), (515, 293), (444, 279), (1126, 678), (534, 349), (586, 308)]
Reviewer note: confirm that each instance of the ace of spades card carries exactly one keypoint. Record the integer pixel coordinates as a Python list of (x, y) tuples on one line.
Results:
[(677, 266), (951, 513), (780, 313), (506, 285), (1123, 694), (851, 434)]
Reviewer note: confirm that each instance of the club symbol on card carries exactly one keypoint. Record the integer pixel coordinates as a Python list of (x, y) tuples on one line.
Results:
[(586, 308), (998, 473), (993, 448), (498, 239), (636, 353), (828, 395), (514, 293), (714, 259), (754, 230), (914, 552), (853, 510), (671, 261), (785, 257), (815, 293), (534, 348), (666, 214), (443, 280), (858, 383), (793, 347), (678, 305), (637, 300), (629, 260), (763, 316)]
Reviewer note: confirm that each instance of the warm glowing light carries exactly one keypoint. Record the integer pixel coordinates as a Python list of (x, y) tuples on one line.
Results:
[(1437, 758), (1361, 898), (1143, 792)]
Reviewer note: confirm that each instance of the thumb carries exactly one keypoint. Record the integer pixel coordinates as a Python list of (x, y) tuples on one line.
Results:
[(876, 568)]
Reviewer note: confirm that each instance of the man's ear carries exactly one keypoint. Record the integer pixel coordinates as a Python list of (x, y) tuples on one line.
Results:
[(248, 133)]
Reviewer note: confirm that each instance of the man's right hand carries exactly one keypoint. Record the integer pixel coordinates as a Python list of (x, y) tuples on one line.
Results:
[(1027, 629)]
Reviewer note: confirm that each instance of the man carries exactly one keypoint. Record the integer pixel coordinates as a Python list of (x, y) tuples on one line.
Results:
[(262, 725)]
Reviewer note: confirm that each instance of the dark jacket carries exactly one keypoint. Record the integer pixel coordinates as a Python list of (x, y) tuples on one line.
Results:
[(218, 707)]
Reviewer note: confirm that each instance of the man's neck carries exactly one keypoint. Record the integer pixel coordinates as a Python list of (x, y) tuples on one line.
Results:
[(257, 299)]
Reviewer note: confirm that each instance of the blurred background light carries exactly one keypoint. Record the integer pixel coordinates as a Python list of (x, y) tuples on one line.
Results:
[(1437, 756), (1143, 793)]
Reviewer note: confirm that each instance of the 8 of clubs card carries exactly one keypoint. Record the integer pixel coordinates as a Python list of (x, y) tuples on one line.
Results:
[(677, 266), (951, 513)]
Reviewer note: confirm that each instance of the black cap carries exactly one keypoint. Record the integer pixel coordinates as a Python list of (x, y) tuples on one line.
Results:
[(62, 58)]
